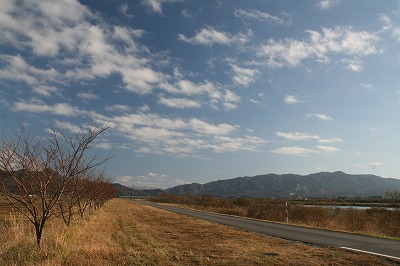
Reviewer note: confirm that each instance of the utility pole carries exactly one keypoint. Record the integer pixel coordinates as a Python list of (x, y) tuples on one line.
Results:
[(287, 211)]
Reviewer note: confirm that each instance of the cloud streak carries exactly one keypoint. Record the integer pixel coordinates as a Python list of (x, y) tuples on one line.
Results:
[(321, 47), (210, 36), (293, 150), (301, 136), (291, 99), (258, 15), (321, 117), (327, 4)]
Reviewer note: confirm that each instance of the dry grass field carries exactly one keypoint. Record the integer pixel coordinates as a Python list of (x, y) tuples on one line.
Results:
[(123, 232)]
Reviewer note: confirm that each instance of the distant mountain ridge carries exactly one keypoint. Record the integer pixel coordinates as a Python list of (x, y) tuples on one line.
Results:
[(131, 192), (323, 184)]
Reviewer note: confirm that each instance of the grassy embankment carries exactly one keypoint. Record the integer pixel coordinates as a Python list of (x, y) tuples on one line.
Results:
[(123, 232), (375, 221)]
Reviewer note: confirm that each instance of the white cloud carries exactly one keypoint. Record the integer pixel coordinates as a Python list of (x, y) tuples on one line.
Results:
[(18, 69), (207, 128), (301, 136), (104, 145), (255, 101), (293, 150), (185, 13), (162, 135), (291, 99), (331, 140), (229, 106), (321, 117), (148, 181), (353, 65), (375, 165), (88, 96), (390, 26), (180, 103), (327, 4), (210, 36), (141, 80), (124, 180), (260, 16), (123, 8), (368, 87), (247, 143), (260, 100), (339, 41), (216, 95), (90, 47), (37, 106), (301, 151), (156, 5), (327, 148), (69, 126), (45, 90), (40, 25), (119, 108), (230, 99), (244, 76), (297, 136), (144, 108)]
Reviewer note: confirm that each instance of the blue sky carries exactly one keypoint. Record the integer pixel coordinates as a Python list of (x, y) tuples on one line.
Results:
[(197, 91)]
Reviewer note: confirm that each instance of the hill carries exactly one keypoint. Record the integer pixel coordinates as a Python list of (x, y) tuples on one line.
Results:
[(127, 191), (324, 184)]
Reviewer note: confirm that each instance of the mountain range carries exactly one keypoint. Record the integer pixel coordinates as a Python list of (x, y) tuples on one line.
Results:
[(324, 184)]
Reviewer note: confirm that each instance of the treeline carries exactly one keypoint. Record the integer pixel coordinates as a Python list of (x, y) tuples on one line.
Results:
[(83, 195), (374, 221), (53, 176)]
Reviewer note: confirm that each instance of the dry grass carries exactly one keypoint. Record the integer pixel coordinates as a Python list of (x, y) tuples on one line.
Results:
[(374, 221), (127, 233)]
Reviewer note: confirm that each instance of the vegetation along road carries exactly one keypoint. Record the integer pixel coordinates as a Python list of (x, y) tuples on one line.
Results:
[(361, 243)]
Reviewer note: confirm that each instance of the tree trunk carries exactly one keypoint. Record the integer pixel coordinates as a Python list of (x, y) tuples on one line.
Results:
[(39, 231)]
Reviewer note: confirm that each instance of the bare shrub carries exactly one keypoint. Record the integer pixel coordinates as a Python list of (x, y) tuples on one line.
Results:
[(314, 216), (208, 200), (355, 220), (267, 211), (243, 202), (388, 221)]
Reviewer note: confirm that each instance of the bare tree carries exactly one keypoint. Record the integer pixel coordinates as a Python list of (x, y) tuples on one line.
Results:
[(85, 192), (90, 191), (68, 201), (42, 167), (394, 197)]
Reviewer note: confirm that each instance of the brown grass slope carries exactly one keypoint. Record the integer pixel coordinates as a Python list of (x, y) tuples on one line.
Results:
[(126, 233)]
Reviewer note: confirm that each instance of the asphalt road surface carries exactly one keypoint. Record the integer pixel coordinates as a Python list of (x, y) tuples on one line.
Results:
[(367, 244)]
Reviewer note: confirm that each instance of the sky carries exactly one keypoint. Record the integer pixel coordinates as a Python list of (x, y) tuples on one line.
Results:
[(196, 91)]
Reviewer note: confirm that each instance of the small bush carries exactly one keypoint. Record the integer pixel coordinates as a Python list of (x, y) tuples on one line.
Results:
[(355, 220)]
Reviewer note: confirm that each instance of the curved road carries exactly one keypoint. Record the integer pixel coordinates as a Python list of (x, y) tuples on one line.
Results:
[(367, 244)]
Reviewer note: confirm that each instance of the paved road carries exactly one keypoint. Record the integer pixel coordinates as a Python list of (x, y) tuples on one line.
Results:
[(379, 246)]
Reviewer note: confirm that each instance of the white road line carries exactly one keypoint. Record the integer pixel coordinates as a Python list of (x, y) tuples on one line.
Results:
[(372, 253)]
